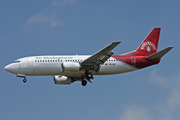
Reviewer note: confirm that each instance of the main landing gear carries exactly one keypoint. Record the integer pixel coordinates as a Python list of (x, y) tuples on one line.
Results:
[(84, 82), (88, 77)]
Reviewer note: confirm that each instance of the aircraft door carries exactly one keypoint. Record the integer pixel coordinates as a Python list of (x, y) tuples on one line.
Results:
[(133, 61), (30, 62)]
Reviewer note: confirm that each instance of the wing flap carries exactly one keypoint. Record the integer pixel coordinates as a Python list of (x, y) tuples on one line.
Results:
[(103, 58), (93, 62)]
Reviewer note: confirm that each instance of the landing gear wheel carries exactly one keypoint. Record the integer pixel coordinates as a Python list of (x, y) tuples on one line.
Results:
[(24, 80), (84, 82), (89, 76)]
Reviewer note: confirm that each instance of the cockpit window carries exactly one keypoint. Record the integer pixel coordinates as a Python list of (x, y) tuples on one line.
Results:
[(16, 61)]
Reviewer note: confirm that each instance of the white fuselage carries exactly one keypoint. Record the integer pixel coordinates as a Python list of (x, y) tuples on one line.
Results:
[(52, 65), (68, 69)]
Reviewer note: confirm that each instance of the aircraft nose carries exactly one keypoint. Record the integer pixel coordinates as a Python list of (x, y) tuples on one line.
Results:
[(7, 68), (12, 68)]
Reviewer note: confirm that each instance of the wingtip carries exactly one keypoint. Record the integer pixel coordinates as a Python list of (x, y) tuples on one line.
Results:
[(171, 47)]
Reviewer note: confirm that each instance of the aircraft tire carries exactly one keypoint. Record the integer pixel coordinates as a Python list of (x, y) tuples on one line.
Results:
[(24, 80), (84, 82)]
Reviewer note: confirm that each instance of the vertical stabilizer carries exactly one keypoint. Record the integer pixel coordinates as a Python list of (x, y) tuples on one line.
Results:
[(150, 44)]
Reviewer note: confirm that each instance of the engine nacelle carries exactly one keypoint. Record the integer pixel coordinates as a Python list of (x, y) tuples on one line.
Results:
[(71, 66), (58, 79)]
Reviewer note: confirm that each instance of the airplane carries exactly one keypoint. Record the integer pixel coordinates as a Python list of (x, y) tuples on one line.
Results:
[(70, 68)]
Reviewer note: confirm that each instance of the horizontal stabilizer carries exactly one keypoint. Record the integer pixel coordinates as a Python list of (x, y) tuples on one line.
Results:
[(159, 54)]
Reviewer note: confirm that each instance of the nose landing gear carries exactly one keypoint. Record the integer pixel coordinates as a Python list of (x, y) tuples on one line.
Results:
[(23, 76), (24, 80)]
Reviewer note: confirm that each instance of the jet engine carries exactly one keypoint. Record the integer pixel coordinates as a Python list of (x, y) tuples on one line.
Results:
[(71, 66), (58, 79)]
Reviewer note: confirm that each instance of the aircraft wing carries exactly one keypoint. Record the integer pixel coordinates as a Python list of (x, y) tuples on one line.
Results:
[(94, 61)]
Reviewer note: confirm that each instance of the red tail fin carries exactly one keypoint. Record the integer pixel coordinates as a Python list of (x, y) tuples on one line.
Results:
[(150, 44)]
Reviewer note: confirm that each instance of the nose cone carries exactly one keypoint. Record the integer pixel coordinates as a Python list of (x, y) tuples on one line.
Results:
[(8, 68), (12, 68)]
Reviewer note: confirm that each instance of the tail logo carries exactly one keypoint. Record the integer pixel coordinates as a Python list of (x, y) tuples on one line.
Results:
[(148, 45)]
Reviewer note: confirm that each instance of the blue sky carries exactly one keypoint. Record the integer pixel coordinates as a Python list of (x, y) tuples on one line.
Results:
[(69, 27)]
